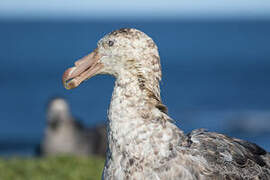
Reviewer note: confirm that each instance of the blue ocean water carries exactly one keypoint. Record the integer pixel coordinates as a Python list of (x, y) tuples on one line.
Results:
[(211, 71)]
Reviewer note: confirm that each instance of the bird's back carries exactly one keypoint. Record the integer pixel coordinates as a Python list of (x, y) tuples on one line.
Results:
[(223, 157)]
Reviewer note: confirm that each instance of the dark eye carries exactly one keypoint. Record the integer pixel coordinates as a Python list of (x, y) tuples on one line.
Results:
[(110, 43)]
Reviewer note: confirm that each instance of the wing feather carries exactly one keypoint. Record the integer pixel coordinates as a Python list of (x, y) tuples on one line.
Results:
[(231, 157)]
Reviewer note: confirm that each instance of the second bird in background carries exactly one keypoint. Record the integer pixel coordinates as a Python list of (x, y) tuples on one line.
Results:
[(64, 135)]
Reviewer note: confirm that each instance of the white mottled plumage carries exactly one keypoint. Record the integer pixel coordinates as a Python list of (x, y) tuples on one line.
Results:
[(143, 141)]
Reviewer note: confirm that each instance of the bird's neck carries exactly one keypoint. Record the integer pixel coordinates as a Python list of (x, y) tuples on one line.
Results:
[(136, 115), (135, 100)]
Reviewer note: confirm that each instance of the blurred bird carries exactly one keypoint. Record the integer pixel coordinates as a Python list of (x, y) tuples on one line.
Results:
[(143, 141), (66, 135)]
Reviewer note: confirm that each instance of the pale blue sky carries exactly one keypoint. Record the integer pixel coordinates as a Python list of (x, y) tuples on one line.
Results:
[(146, 9)]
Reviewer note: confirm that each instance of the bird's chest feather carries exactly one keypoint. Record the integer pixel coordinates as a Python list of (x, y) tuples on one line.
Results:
[(142, 150)]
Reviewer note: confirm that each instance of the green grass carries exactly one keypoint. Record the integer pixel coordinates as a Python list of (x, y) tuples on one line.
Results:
[(51, 168)]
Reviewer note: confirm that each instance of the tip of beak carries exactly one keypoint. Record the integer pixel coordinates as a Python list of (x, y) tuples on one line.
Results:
[(71, 84), (67, 76)]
